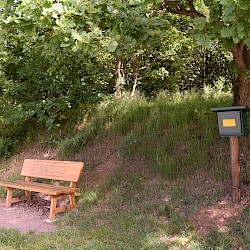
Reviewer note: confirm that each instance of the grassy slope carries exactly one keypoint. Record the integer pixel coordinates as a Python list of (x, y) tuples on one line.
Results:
[(171, 163)]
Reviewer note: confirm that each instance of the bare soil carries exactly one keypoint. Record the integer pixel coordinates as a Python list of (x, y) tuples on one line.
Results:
[(218, 216), (24, 218)]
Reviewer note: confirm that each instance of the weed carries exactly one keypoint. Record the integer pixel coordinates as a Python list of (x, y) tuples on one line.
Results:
[(218, 241)]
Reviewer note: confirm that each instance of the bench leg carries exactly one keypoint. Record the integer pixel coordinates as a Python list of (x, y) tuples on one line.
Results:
[(9, 197), (54, 210), (53, 207), (28, 195), (72, 201)]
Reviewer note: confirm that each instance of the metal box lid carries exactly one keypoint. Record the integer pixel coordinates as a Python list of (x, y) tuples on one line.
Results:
[(232, 108)]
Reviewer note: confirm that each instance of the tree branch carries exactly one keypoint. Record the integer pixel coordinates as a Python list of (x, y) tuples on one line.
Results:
[(179, 8), (191, 6)]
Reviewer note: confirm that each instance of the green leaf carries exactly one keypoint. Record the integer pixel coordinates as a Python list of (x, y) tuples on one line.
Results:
[(241, 29), (58, 7), (117, 37), (65, 45), (2, 4), (243, 4), (47, 4), (228, 32), (76, 35), (226, 2), (134, 2), (200, 23), (91, 9), (118, 4), (207, 42), (229, 13), (247, 41), (112, 46)]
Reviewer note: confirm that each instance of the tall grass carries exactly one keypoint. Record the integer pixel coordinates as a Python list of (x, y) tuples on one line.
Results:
[(177, 134)]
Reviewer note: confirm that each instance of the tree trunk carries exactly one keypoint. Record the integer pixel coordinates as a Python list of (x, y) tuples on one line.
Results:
[(119, 77), (134, 87), (241, 87), (135, 84), (241, 90)]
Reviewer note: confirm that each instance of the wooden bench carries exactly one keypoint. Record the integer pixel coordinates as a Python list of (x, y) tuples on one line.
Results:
[(69, 171)]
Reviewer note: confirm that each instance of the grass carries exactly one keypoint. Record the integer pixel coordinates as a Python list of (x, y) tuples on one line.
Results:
[(131, 211), (169, 131), (173, 164), (116, 217)]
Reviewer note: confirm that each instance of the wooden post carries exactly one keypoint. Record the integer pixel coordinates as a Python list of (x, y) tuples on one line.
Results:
[(53, 207), (235, 168)]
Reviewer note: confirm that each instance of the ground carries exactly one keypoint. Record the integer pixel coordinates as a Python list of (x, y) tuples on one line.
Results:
[(24, 219), (101, 165), (32, 216), (218, 215)]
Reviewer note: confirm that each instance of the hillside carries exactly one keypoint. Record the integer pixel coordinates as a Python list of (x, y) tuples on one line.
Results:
[(156, 177)]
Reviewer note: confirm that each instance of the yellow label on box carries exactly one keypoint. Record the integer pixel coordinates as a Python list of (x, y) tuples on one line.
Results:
[(229, 123)]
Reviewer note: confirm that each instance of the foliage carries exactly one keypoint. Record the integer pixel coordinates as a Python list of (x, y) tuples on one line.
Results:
[(46, 90), (58, 58), (179, 65), (55, 54), (233, 24), (225, 22)]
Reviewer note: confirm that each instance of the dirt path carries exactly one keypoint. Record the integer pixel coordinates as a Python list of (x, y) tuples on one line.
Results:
[(24, 219)]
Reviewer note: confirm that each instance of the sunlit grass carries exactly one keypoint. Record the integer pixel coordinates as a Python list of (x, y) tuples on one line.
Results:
[(169, 131)]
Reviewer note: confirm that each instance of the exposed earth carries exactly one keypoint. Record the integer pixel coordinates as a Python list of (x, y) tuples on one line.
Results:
[(25, 218)]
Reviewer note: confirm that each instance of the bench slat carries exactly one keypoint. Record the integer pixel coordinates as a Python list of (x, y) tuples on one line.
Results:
[(38, 187), (54, 170), (43, 185)]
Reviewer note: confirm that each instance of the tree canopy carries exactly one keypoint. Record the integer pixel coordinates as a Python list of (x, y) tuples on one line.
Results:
[(226, 21), (59, 55)]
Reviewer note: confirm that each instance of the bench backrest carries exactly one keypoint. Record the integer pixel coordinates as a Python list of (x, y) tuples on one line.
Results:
[(53, 170)]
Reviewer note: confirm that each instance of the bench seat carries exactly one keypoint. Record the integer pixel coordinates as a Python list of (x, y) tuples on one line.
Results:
[(38, 187)]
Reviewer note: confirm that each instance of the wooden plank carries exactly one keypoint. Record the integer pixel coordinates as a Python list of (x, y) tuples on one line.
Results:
[(21, 198), (51, 169), (28, 195), (38, 188), (9, 197), (72, 201), (52, 188), (32, 183), (64, 208), (53, 208)]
